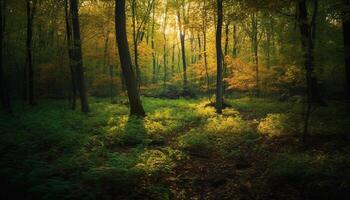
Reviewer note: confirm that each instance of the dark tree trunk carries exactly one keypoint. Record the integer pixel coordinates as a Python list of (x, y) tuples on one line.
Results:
[(77, 57), (4, 88), (31, 8), (346, 33), (307, 32), (70, 55), (173, 62), (199, 47), (125, 60), (219, 81)]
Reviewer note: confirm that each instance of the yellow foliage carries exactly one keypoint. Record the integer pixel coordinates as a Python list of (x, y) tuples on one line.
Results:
[(244, 74)]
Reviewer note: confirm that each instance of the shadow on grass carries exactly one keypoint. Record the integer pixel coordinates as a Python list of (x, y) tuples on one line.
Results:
[(134, 131)]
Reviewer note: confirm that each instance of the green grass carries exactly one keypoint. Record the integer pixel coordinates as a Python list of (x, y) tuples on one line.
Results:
[(51, 152)]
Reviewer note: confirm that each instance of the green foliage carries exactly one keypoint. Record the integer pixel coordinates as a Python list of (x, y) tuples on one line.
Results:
[(196, 142), (226, 125), (51, 152), (156, 162), (277, 125), (320, 175)]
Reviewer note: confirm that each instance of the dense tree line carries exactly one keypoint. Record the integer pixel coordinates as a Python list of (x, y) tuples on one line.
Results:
[(68, 49)]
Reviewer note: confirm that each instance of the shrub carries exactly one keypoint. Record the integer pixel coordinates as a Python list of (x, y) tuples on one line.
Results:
[(196, 142), (226, 125), (277, 125), (154, 162)]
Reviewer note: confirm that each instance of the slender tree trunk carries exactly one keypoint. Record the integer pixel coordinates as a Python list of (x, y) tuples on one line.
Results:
[(154, 78), (227, 31), (183, 52), (173, 62), (346, 34), (125, 60), (199, 47), (70, 55), (204, 30), (235, 42), (165, 45), (307, 43), (219, 82), (4, 88), (31, 9), (135, 38), (77, 57), (255, 51)]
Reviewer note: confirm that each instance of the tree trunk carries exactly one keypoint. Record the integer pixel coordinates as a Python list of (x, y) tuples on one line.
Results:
[(4, 89), (154, 79), (219, 82), (346, 34), (70, 55), (307, 32), (204, 26), (255, 51), (173, 62), (135, 38), (235, 42), (183, 52), (164, 46), (77, 57), (31, 9), (125, 60)]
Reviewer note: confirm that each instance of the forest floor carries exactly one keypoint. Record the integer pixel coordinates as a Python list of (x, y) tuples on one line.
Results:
[(181, 150)]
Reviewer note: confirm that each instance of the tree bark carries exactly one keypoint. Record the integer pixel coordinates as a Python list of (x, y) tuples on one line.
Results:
[(255, 47), (165, 46), (235, 42), (29, 71), (154, 78), (70, 55), (77, 57), (219, 81), (135, 39), (346, 35), (4, 89), (307, 32), (125, 60), (183, 51), (204, 29)]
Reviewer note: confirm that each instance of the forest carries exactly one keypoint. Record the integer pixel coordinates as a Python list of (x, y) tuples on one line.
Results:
[(175, 99)]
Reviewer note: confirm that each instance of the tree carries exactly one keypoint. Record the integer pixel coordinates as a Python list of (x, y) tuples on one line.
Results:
[(346, 35), (307, 31), (70, 55), (77, 57), (182, 32), (5, 100), (219, 81), (125, 60), (255, 46), (29, 71)]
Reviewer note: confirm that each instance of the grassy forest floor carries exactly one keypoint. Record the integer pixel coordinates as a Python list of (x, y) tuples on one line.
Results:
[(181, 150)]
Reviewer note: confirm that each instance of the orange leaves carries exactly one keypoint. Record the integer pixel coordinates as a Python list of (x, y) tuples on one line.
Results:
[(243, 76)]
